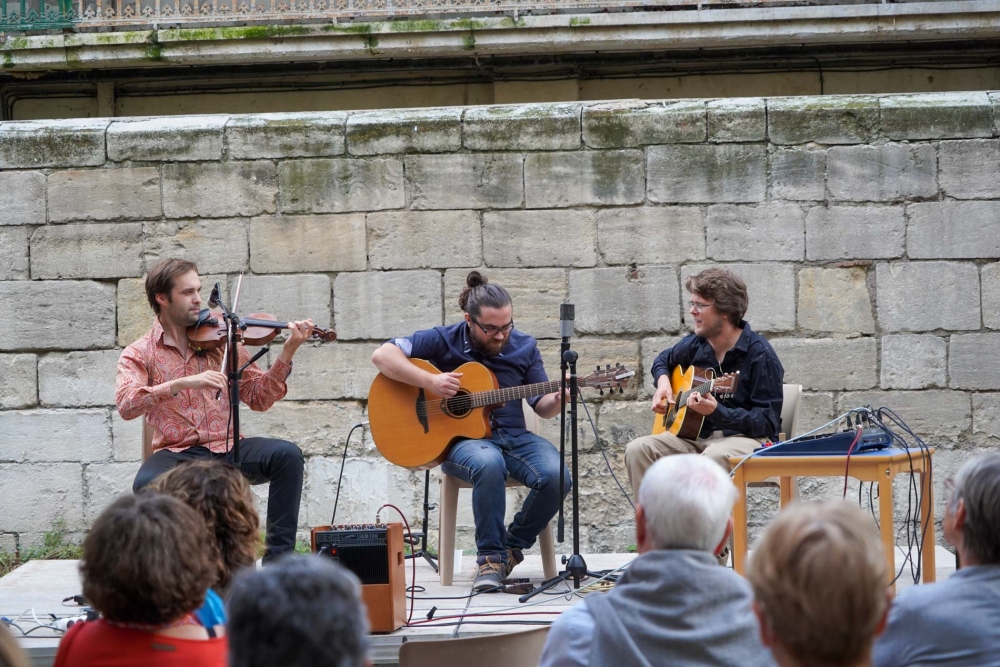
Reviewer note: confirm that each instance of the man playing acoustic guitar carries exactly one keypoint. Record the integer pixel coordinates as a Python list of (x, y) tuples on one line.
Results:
[(487, 336), (722, 343)]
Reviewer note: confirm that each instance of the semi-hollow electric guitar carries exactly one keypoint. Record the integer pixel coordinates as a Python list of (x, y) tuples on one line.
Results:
[(678, 419), (414, 429)]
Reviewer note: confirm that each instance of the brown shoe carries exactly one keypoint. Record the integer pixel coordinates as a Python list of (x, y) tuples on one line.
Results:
[(492, 572), (514, 558)]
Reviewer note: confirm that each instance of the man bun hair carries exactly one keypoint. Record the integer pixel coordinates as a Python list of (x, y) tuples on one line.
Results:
[(479, 294)]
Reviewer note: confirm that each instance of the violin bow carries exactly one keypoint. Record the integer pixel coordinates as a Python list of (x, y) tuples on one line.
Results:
[(229, 324)]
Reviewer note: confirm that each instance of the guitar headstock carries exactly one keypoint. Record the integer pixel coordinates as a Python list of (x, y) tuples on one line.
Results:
[(610, 377), (726, 384)]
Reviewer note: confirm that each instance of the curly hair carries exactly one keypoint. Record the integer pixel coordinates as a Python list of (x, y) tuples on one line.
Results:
[(222, 496), (144, 560)]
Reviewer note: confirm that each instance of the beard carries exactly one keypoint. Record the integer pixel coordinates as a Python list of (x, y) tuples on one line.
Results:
[(487, 348), (710, 330)]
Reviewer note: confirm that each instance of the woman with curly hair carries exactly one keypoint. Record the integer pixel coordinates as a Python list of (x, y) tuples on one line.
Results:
[(145, 570), (221, 495)]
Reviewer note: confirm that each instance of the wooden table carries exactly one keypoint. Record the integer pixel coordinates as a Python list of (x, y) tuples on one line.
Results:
[(878, 466)]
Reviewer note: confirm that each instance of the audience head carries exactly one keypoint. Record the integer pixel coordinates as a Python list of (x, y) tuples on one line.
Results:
[(221, 495), (972, 514), (685, 502), (11, 654), (303, 611), (144, 560), (819, 581)]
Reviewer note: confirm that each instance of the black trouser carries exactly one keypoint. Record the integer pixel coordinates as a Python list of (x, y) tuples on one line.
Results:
[(261, 460)]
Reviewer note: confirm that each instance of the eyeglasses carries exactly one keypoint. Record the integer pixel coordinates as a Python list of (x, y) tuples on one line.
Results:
[(493, 331), (698, 307)]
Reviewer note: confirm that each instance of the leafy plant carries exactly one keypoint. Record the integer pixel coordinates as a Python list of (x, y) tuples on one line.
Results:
[(54, 546)]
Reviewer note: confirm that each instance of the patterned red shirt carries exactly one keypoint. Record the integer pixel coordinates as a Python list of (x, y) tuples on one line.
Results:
[(194, 416)]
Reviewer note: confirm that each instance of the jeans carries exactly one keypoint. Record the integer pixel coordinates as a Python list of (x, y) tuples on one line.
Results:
[(486, 465), (261, 460)]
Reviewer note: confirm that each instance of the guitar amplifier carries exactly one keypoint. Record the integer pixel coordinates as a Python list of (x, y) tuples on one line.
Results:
[(374, 553)]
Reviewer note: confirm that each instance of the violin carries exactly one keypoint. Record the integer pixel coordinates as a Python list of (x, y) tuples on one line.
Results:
[(261, 328)]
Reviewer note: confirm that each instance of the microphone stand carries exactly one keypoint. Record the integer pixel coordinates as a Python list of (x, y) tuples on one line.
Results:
[(235, 370), (576, 566)]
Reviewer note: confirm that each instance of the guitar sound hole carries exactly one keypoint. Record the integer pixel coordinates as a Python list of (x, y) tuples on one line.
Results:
[(458, 406)]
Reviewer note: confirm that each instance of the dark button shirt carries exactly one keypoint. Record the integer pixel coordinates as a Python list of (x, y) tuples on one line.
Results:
[(755, 409), (519, 363)]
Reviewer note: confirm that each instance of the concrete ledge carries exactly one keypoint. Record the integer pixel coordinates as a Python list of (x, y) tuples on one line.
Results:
[(620, 32)]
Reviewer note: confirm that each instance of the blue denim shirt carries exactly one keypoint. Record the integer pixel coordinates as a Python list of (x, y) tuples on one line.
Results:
[(449, 347), (755, 409)]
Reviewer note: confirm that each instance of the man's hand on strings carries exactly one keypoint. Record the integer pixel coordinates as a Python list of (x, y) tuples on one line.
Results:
[(298, 333), (664, 396), (444, 384)]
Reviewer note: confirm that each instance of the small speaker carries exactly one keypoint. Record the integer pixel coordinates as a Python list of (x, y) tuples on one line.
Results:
[(374, 553)]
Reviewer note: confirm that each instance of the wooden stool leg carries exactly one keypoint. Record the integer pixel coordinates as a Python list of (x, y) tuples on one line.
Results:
[(787, 493), (740, 537), (448, 512), (548, 548), (929, 566), (885, 505)]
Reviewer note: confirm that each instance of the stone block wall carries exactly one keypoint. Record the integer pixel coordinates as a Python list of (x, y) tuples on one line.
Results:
[(865, 227)]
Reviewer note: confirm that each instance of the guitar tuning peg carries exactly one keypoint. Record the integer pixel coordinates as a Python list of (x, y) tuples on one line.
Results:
[(608, 366), (621, 390), (601, 392), (598, 367), (617, 364)]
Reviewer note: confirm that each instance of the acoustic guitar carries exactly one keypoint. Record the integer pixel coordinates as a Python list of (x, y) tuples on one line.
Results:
[(414, 429), (678, 419)]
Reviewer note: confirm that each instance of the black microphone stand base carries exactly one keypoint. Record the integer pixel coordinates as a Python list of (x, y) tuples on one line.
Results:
[(576, 569), (422, 536)]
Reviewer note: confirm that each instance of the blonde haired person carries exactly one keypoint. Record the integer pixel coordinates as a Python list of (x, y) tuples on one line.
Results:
[(11, 654), (819, 582)]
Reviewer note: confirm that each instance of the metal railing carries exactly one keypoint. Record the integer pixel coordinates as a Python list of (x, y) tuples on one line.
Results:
[(27, 15), (18, 15)]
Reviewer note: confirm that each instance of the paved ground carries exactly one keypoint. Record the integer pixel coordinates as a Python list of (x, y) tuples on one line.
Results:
[(42, 586)]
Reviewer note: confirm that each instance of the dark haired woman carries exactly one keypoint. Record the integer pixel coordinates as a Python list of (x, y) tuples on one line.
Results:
[(145, 569), (487, 336)]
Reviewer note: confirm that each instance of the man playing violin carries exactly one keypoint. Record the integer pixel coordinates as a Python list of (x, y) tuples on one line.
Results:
[(176, 388), (723, 342), (487, 336)]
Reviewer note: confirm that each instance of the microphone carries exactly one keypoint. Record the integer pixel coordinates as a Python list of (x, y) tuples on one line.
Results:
[(567, 313), (215, 298)]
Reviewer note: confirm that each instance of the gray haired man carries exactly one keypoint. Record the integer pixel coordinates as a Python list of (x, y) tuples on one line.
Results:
[(955, 622), (674, 605)]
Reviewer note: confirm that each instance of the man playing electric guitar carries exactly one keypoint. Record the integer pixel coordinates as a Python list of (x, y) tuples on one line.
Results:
[(723, 343), (487, 336)]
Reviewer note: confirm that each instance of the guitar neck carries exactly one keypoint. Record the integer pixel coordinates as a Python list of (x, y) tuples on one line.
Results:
[(702, 389), (481, 399)]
